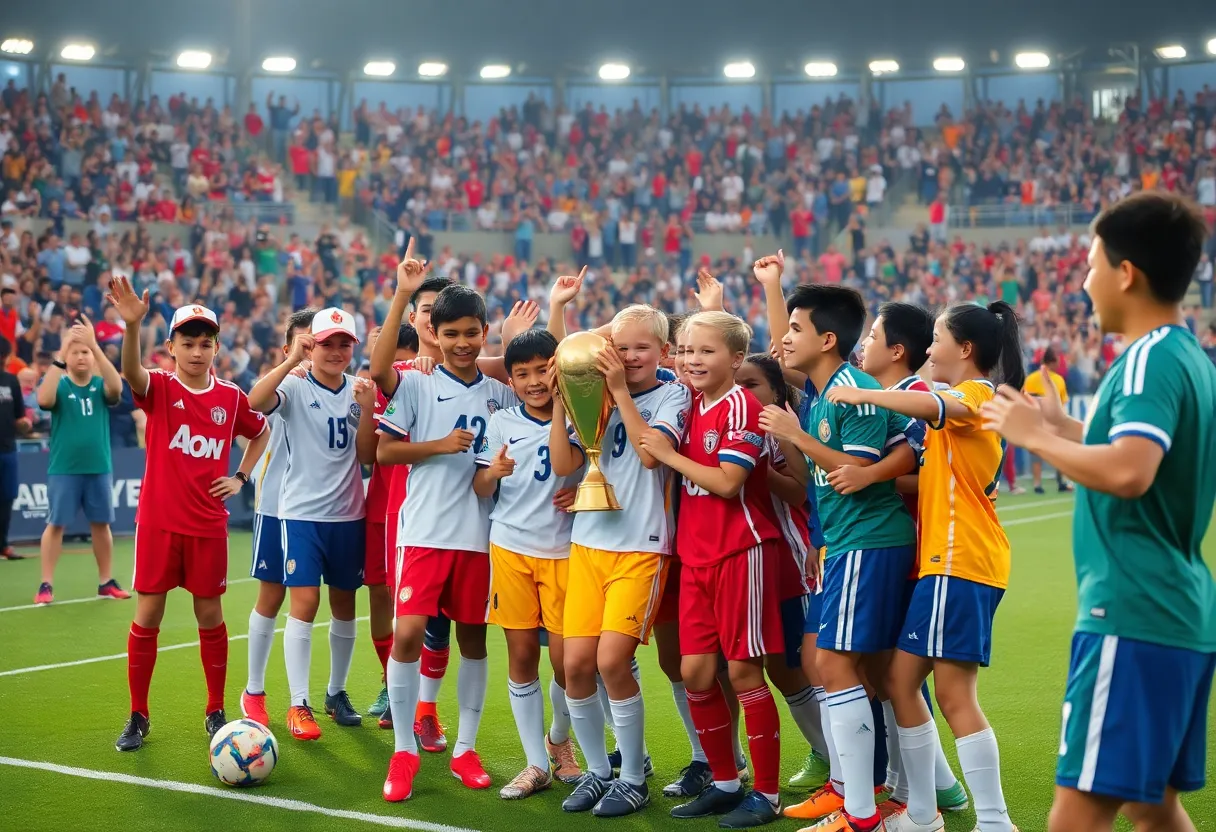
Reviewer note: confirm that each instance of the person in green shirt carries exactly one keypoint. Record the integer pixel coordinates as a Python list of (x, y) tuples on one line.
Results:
[(1144, 647), (77, 390)]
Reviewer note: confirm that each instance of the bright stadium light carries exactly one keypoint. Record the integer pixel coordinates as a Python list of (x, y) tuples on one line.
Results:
[(78, 52), (614, 72), (279, 63), (492, 72), (432, 69), (17, 46), (739, 69), (820, 69), (1212, 46), (1032, 60), (194, 59), (949, 64), (379, 69), (884, 67), (1172, 52)]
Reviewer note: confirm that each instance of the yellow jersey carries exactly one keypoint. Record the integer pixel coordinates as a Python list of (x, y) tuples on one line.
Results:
[(960, 535), (1034, 385)]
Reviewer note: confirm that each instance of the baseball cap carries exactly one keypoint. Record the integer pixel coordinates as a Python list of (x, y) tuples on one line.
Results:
[(332, 321), (193, 312)]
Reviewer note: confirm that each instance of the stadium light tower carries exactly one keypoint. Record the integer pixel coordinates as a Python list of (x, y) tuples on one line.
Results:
[(193, 59), (820, 69), (494, 72), (17, 46), (432, 69), (78, 52), (739, 69), (614, 72), (884, 67), (279, 63), (379, 69), (1171, 52), (1032, 60), (949, 64), (1212, 46)]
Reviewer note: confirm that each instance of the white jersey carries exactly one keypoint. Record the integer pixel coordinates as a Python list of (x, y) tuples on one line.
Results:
[(323, 481), (793, 529), (524, 519), (441, 509), (270, 469), (644, 523)]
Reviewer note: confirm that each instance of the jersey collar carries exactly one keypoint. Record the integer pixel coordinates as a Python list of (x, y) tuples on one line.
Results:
[(460, 381), (524, 412), (331, 390), (707, 405), (644, 392)]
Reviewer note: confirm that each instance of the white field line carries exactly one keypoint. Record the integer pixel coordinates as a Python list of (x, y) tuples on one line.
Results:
[(1022, 520), (243, 796), (165, 648), (94, 598), (1035, 504)]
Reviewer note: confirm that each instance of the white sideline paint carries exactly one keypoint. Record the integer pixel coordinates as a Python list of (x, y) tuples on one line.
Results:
[(23, 670), (95, 598), (389, 821), (1022, 520), (1035, 504)]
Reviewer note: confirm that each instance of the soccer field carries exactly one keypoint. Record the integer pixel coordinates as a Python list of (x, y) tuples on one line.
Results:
[(63, 684)]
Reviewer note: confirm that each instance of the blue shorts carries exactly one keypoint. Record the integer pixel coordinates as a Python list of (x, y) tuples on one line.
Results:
[(72, 493), (951, 618), (793, 625), (862, 592), (1135, 718), (267, 549), (313, 550), (814, 611)]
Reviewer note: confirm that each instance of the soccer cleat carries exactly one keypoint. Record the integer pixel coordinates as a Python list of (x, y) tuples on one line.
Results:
[(302, 725), (711, 801), (902, 822), (214, 722), (587, 794), (561, 758), (468, 770), (342, 711), (622, 799), (695, 778), (386, 718), (1065, 488), (1038, 489), (44, 595), (953, 799), (8, 553), (110, 589), (755, 810), (823, 801), (133, 733), (890, 807), (399, 784), (813, 774), (381, 704), (527, 783), (430, 733), (253, 705), (614, 760)]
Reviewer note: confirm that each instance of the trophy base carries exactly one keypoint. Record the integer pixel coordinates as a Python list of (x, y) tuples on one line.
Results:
[(595, 496)]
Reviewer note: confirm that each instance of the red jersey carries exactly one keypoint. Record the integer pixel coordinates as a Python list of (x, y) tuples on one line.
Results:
[(712, 528), (386, 491), (795, 542), (189, 437)]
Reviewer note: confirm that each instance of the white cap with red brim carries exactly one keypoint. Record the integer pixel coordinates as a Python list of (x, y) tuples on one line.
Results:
[(333, 321), (193, 312)]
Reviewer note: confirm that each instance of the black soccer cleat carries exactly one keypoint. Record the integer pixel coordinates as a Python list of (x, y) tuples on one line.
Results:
[(132, 736), (589, 792), (342, 711), (712, 801), (214, 722), (622, 799), (694, 779), (755, 810)]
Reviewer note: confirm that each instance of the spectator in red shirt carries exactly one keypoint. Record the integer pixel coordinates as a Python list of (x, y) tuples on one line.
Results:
[(802, 225), (301, 164), (253, 122), (832, 262)]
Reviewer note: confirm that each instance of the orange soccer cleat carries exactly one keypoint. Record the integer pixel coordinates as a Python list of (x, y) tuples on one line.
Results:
[(302, 724)]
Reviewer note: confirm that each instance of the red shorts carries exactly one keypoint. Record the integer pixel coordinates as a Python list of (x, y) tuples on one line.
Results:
[(390, 551), (732, 606), (375, 560), (166, 560), (669, 607), (446, 581)]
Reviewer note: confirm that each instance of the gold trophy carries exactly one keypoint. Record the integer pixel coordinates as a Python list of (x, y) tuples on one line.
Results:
[(587, 405)]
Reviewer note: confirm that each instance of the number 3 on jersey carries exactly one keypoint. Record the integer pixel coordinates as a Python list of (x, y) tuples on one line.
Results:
[(475, 425)]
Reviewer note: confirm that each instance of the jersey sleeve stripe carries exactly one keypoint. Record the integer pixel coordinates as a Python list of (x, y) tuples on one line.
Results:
[(941, 413), (669, 430), (1141, 429), (897, 439), (278, 402), (736, 458), (1137, 363), (387, 427), (862, 451)]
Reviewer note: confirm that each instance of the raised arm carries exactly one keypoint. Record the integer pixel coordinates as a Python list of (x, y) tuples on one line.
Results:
[(48, 388), (132, 308), (410, 274), (111, 381), (708, 293), (768, 271), (264, 396), (565, 289)]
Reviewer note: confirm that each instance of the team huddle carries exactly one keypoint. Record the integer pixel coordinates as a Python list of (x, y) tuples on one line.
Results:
[(807, 518)]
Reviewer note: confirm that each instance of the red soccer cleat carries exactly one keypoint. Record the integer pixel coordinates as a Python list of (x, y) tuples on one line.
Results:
[(302, 724), (399, 784), (110, 589), (253, 705), (468, 770), (429, 731)]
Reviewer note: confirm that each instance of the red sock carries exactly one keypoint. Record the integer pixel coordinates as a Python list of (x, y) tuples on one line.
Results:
[(213, 648), (763, 737), (711, 716), (434, 662), (384, 646), (141, 660)]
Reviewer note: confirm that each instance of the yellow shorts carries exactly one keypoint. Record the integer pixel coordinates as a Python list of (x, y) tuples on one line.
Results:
[(526, 592), (616, 591)]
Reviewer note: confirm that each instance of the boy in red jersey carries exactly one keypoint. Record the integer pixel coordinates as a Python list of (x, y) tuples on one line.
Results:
[(181, 528), (729, 598)]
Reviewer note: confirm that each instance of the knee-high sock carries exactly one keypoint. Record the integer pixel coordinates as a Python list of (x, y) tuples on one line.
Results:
[(261, 639), (141, 661), (763, 738), (916, 754), (471, 696), (629, 717), (711, 716), (402, 679), (528, 708), (432, 666), (895, 775), (981, 763), (213, 650), (342, 635), (559, 731), (804, 708), (853, 731), (601, 694), (680, 695), (587, 719), (297, 653), (943, 775), (825, 716)]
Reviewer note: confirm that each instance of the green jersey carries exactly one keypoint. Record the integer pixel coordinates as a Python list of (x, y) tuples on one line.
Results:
[(1140, 571), (80, 429), (874, 518)]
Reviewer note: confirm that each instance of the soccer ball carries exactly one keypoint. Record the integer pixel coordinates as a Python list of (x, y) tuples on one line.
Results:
[(243, 753)]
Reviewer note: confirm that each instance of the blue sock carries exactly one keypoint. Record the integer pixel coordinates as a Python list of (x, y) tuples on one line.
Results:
[(880, 743)]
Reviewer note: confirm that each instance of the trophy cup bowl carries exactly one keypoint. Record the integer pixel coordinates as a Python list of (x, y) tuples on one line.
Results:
[(587, 404)]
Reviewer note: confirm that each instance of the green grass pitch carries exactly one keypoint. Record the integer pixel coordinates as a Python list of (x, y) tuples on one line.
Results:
[(68, 716)]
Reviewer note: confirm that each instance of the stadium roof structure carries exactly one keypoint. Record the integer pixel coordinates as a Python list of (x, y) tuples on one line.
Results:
[(573, 37)]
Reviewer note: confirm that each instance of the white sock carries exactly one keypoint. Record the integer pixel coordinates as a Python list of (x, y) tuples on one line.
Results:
[(825, 717), (637, 677), (916, 756), (297, 652), (895, 778), (341, 650), (943, 775), (981, 763), (528, 706), (853, 729), (402, 679), (471, 696), (680, 694), (587, 719), (261, 639), (559, 731), (605, 705), (428, 689), (804, 708), (629, 717)]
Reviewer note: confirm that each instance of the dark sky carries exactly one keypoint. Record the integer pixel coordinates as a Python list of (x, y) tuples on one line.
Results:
[(684, 37)]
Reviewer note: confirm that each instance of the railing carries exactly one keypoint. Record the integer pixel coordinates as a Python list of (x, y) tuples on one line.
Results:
[(442, 220), (270, 213), (1014, 214)]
